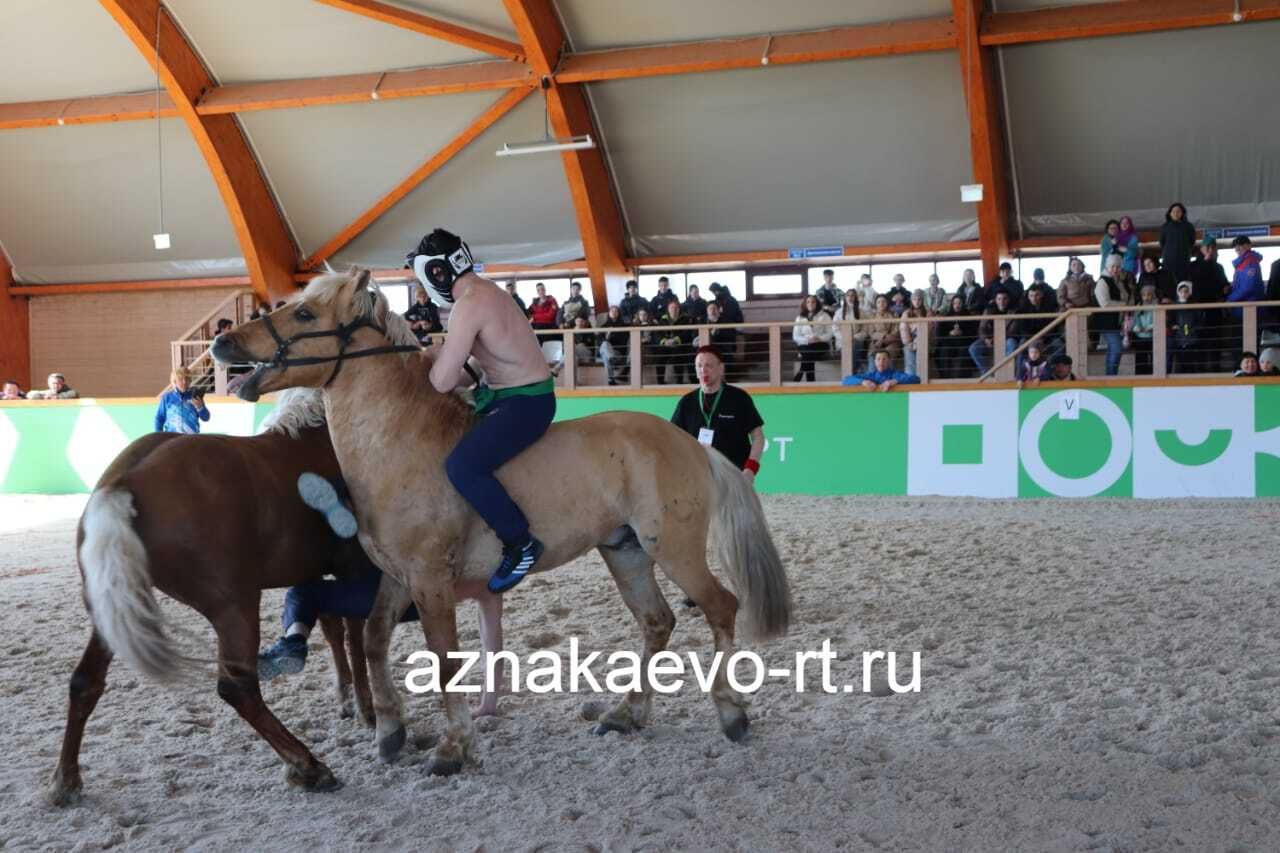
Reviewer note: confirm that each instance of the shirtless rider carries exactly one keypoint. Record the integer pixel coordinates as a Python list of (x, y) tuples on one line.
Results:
[(516, 401)]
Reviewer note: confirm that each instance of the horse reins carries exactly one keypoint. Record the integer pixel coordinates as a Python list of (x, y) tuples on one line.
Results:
[(343, 333)]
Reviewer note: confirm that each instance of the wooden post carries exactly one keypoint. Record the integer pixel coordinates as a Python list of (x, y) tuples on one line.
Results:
[(1250, 342), (846, 351), (999, 333), (569, 368), (922, 352), (1080, 350), (1160, 345), (637, 363), (775, 355)]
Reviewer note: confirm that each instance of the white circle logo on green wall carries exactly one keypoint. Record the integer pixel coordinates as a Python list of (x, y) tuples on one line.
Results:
[(1075, 487)]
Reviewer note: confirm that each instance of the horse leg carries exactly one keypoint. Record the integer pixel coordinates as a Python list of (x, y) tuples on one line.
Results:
[(491, 643), (334, 635), (687, 567), (391, 601), (87, 683), (237, 631), (360, 671), (438, 614), (632, 571)]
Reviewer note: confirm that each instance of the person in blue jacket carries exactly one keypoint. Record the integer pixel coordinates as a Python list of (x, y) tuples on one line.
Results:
[(181, 409), (883, 377), (1246, 284)]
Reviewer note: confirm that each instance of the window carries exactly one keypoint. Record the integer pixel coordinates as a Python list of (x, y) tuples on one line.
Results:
[(649, 284), (399, 296), (557, 287), (1055, 269), (777, 284), (951, 273), (915, 275)]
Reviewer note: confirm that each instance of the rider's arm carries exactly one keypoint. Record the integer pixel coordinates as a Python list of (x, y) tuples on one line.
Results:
[(446, 373)]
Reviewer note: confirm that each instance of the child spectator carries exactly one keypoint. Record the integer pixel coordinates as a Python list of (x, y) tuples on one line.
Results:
[(1143, 330), (812, 335), (181, 408), (866, 294), (1185, 341), (883, 377), (1060, 369), (10, 391), (543, 311), (1033, 366), (1249, 366), (1161, 279), (1269, 362), (58, 390)]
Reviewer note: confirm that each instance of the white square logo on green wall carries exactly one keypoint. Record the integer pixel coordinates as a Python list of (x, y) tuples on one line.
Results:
[(963, 444)]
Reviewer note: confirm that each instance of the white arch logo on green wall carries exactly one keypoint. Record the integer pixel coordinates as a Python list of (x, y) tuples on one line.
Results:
[(1211, 441)]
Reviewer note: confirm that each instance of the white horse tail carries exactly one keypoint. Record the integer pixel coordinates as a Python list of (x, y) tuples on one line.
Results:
[(747, 549), (117, 586)]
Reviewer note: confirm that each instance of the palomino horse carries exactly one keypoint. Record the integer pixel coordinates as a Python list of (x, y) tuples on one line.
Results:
[(211, 521), (632, 485)]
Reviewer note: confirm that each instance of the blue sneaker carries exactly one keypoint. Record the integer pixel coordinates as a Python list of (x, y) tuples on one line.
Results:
[(287, 657), (319, 494), (517, 560)]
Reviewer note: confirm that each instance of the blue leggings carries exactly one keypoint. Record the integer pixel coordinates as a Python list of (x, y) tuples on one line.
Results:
[(507, 427), (351, 598)]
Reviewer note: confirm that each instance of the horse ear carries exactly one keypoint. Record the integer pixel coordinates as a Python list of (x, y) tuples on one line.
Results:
[(363, 277), (362, 298)]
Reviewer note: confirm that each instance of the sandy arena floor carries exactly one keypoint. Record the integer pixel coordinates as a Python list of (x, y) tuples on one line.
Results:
[(1096, 675)]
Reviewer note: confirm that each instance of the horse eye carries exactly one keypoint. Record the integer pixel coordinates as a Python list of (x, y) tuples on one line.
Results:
[(304, 315)]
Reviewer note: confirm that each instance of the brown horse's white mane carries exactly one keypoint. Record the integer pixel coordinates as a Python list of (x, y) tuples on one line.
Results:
[(296, 409)]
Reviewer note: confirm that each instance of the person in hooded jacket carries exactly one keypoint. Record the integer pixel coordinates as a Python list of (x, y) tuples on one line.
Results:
[(1161, 279)]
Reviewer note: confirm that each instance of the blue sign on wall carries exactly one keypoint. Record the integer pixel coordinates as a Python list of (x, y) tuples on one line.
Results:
[(1238, 231), (816, 252)]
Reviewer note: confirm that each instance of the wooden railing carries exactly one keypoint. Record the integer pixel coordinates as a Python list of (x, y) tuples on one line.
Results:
[(765, 354)]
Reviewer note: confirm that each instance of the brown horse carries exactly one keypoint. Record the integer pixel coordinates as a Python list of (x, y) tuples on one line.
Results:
[(632, 485), (211, 521)]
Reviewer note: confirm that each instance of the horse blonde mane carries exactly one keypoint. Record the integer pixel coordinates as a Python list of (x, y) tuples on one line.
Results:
[(296, 409)]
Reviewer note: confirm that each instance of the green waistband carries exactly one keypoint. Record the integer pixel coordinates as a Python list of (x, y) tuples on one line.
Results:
[(484, 396)]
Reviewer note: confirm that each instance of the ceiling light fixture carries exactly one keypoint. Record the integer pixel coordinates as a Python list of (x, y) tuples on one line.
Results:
[(574, 143)]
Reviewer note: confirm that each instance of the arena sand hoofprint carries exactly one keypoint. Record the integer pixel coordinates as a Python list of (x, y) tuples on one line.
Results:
[(1145, 442)]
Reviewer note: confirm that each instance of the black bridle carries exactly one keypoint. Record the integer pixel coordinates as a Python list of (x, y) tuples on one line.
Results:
[(343, 333)]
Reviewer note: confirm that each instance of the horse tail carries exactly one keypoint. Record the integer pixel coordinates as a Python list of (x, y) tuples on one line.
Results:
[(747, 549), (118, 589)]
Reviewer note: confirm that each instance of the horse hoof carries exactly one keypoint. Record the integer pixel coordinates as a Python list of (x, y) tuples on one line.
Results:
[(370, 719), (389, 747), (346, 710), (443, 766), (603, 728), (61, 796), (318, 779), (737, 728)]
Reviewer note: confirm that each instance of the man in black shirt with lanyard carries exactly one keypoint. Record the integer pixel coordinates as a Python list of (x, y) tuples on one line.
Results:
[(721, 415)]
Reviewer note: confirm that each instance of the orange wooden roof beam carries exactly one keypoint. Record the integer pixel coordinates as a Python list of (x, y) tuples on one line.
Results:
[(15, 330), (428, 26), (866, 40), (1117, 18), (433, 164), (596, 208), (268, 249)]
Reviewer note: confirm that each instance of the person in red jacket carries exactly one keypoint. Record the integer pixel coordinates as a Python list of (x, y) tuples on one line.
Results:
[(543, 310)]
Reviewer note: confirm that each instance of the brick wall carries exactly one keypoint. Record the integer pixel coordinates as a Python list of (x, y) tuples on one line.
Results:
[(113, 344)]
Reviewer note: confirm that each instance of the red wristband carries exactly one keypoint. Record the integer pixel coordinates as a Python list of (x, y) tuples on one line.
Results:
[(751, 465)]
